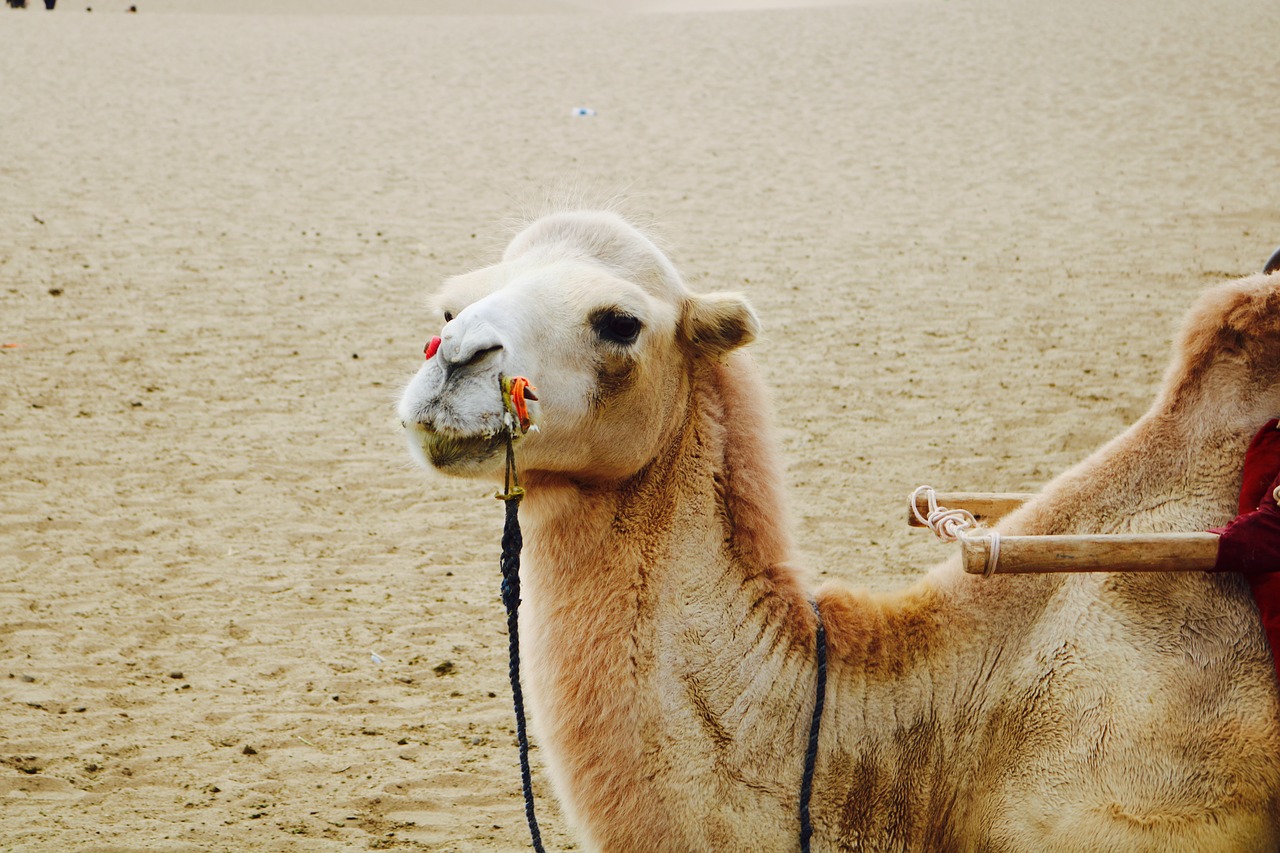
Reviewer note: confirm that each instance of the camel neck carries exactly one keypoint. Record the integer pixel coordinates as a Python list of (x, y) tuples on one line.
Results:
[(716, 477), (662, 624)]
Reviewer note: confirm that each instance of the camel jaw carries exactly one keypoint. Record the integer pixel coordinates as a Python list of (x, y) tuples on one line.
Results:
[(457, 454), (467, 443)]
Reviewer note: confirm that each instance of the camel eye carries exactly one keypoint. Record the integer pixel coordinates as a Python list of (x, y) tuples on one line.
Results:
[(617, 328)]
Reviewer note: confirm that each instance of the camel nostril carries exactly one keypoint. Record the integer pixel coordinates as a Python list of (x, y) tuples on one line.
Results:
[(465, 360), (478, 355)]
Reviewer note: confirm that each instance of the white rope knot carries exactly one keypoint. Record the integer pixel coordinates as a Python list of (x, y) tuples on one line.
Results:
[(951, 525)]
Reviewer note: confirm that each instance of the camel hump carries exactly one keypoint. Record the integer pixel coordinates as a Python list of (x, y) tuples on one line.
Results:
[(1272, 264), (1228, 350), (1232, 312)]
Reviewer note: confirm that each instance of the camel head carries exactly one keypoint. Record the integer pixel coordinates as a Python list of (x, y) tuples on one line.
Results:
[(1226, 366), (597, 318)]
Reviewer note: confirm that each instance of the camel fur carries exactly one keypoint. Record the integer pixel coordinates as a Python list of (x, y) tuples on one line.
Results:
[(669, 641)]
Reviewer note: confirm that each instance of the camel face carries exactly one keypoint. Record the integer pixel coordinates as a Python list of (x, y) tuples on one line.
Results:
[(593, 314)]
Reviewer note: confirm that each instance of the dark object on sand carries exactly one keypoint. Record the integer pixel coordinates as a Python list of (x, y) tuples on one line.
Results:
[(1273, 263), (48, 4), (17, 4)]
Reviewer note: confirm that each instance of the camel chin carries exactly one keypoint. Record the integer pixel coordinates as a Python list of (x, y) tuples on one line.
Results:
[(457, 454), (465, 455)]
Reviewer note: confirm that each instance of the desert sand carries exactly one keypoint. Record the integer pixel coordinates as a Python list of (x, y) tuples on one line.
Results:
[(233, 617)]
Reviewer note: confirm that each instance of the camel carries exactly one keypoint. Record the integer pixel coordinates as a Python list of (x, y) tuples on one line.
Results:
[(669, 640)]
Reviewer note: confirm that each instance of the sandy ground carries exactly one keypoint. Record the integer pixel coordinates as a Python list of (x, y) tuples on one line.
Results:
[(429, 7), (970, 228)]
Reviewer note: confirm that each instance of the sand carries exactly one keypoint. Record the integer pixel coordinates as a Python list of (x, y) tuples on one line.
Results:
[(970, 229)]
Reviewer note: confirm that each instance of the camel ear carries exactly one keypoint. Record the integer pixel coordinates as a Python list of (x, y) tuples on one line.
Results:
[(716, 323)]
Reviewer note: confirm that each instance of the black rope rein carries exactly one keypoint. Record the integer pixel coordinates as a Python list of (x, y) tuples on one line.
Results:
[(512, 542), (815, 725)]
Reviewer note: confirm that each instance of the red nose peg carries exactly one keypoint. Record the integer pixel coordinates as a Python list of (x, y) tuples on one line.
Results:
[(431, 347)]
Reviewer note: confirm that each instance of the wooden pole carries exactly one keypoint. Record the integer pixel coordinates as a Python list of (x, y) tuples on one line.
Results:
[(985, 506), (1152, 552)]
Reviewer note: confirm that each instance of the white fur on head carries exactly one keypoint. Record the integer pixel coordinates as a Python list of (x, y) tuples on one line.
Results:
[(606, 238)]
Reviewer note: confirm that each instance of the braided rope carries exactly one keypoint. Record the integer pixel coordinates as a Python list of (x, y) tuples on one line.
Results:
[(951, 525), (512, 541), (815, 723)]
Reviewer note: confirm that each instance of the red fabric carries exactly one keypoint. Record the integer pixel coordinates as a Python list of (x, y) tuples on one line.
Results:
[(1250, 544), (1261, 464)]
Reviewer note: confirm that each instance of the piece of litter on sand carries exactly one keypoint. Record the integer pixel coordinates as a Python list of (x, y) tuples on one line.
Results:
[(10, 346), (582, 112), (375, 657)]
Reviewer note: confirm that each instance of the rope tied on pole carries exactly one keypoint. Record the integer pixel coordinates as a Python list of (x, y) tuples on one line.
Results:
[(952, 525)]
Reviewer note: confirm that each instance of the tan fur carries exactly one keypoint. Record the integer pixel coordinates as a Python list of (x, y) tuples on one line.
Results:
[(669, 640)]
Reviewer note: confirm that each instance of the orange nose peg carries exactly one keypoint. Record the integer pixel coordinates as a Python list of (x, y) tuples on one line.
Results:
[(521, 392)]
